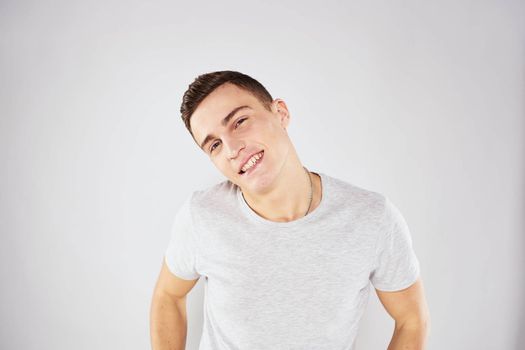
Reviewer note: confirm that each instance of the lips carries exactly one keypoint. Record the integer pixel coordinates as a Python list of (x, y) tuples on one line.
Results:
[(246, 161)]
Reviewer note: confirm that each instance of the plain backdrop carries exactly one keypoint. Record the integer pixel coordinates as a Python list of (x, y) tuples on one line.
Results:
[(422, 101)]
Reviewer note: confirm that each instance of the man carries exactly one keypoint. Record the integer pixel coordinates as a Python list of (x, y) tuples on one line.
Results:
[(287, 254)]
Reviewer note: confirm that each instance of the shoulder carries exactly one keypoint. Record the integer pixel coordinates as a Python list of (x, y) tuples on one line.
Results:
[(214, 191), (358, 198), (213, 199)]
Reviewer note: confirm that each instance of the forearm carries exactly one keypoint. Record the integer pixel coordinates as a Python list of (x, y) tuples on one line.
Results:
[(168, 323), (409, 337)]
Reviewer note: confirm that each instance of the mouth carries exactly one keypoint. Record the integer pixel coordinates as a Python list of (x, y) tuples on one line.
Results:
[(252, 168)]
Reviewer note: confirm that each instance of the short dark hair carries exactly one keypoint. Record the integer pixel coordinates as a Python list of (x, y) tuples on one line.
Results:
[(204, 84)]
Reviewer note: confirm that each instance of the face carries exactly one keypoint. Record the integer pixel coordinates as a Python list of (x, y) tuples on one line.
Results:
[(248, 131)]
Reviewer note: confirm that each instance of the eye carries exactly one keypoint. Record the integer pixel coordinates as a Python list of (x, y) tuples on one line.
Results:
[(240, 121), (235, 126), (212, 147)]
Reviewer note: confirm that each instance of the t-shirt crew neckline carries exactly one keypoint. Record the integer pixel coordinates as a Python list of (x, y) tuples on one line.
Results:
[(302, 220)]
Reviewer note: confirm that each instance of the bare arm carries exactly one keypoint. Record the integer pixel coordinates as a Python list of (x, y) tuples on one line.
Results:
[(168, 321), (409, 309), (408, 337)]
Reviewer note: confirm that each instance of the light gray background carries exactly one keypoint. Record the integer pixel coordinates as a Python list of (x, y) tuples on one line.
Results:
[(422, 101)]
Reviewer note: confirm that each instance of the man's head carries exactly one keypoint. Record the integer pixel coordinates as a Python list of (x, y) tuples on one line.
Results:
[(204, 84), (232, 117)]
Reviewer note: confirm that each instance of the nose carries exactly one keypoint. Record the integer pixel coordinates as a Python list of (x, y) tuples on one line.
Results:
[(233, 146)]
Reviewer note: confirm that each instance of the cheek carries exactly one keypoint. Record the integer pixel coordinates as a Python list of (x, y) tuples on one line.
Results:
[(276, 134), (277, 129), (269, 130), (222, 165)]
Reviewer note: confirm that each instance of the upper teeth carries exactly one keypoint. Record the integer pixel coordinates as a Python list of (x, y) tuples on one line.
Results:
[(251, 161)]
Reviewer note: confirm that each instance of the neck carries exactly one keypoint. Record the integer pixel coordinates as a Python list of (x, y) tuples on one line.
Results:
[(289, 199)]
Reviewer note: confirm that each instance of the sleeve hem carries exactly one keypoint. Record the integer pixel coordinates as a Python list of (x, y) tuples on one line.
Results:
[(177, 273), (399, 286)]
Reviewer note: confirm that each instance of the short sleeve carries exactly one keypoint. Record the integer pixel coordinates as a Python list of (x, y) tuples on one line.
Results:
[(181, 254), (396, 266)]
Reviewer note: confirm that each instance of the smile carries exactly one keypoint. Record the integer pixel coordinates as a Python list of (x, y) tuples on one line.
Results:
[(254, 164)]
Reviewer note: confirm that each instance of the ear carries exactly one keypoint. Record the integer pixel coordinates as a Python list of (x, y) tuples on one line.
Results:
[(279, 107)]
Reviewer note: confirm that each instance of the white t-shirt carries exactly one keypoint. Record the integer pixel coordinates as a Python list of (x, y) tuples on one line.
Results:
[(302, 284)]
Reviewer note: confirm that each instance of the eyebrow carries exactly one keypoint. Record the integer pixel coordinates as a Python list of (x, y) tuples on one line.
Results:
[(224, 122)]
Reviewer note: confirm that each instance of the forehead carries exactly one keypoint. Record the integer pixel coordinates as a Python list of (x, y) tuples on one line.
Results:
[(212, 110)]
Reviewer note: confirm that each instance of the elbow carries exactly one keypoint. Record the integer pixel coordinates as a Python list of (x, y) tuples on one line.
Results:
[(420, 325), (416, 321)]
